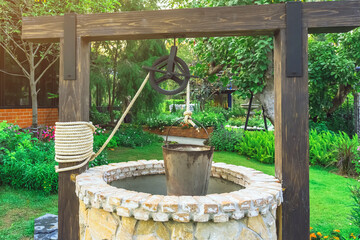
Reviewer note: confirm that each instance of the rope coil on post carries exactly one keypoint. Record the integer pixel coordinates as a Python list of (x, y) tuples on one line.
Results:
[(74, 140), (73, 143)]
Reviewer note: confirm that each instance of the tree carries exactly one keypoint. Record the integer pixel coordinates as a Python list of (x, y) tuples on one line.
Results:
[(27, 55), (248, 63), (30, 56), (331, 74), (117, 64)]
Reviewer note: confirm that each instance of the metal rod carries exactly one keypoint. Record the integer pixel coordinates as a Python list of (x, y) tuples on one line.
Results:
[(265, 123), (248, 113)]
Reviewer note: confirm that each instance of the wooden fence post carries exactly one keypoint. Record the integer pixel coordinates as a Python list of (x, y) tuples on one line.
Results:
[(292, 139), (73, 106)]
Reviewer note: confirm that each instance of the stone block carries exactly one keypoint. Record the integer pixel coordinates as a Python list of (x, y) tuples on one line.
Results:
[(181, 217), (209, 206), (151, 204), (214, 231), (102, 224), (170, 204), (127, 229), (183, 231), (188, 204)]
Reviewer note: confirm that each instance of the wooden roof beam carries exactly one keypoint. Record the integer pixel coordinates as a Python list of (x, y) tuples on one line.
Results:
[(197, 22)]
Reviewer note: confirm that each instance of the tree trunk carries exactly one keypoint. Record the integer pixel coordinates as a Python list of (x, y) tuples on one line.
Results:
[(267, 96), (357, 113), (33, 91), (339, 99)]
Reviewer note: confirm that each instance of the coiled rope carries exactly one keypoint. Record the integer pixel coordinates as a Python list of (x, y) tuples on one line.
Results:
[(74, 140)]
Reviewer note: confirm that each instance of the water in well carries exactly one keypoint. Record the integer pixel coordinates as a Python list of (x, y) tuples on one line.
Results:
[(156, 185)]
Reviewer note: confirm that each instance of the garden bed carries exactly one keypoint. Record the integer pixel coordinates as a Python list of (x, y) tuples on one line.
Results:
[(180, 132)]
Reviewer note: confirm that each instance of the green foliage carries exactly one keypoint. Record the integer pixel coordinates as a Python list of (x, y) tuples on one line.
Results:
[(97, 117), (331, 73), (321, 148), (347, 156), (355, 212), (25, 161), (166, 104), (225, 140), (342, 118), (136, 137), (126, 136), (330, 149), (258, 145), (236, 121)]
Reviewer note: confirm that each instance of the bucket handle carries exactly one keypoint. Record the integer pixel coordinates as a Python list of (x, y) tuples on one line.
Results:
[(177, 121)]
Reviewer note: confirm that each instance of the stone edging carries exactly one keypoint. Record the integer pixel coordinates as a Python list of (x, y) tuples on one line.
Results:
[(262, 193)]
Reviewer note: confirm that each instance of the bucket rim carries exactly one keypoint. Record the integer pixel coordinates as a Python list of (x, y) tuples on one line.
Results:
[(207, 148)]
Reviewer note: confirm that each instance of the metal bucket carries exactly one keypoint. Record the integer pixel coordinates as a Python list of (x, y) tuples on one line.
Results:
[(187, 169)]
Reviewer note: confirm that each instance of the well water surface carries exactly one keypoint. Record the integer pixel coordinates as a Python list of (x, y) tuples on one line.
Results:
[(156, 184)]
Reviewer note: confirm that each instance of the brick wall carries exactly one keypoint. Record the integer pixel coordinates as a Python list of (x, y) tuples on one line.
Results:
[(23, 116)]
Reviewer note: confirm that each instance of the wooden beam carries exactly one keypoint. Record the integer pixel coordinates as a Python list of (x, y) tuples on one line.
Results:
[(73, 106), (197, 22), (292, 142), (338, 16)]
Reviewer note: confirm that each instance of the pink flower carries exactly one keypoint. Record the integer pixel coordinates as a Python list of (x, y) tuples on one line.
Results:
[(358, 148)]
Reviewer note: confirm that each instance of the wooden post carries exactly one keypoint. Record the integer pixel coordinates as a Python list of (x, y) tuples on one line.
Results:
[(73, 106), (291, 125), (292, 142)]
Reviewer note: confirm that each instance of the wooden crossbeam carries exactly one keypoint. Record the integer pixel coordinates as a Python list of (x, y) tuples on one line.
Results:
[(197, 22)]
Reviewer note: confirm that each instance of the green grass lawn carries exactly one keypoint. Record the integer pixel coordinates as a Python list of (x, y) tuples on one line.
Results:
[(19, 208), (329, 196)]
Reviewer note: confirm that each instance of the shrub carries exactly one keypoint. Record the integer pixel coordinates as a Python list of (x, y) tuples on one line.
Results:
[(258, 145), (30, 164), (46, 134), (225, 140), (236, 122), (97, 117), (346, 153), (135, 137), (321, 148)]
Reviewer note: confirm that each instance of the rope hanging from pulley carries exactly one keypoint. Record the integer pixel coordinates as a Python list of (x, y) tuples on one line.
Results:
[(74, 140)]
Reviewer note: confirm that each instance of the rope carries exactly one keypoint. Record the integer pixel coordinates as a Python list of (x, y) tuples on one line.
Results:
[(77, 146), (188, 113), (70, 147)]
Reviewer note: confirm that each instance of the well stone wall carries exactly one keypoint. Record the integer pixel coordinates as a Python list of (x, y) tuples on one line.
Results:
[(107, 212)]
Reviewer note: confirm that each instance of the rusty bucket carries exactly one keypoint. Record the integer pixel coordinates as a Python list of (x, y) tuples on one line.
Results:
[(187, 168)]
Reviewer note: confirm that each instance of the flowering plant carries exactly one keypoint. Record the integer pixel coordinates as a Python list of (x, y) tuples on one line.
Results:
[(334, 235), (47, 134)]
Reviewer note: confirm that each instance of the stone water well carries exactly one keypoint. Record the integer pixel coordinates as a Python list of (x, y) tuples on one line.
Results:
[(127, 201)]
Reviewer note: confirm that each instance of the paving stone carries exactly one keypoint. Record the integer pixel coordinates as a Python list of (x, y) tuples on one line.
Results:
[(46, 227)]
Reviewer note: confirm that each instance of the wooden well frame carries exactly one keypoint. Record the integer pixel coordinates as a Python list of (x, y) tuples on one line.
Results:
[(289, 23)]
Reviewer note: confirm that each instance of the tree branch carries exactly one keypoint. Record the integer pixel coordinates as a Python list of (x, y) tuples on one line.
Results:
[(12, 74), (216, 69), (37, 49), (52, 63), (44, 55), (13, 40), (339, 99), (15, 59)]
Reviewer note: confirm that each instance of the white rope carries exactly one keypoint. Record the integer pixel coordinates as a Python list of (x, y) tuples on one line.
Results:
[(74, 140), (188, 113), (71, 149)]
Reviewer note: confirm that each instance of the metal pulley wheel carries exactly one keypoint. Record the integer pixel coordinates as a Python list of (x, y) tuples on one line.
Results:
[(169, 68)]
